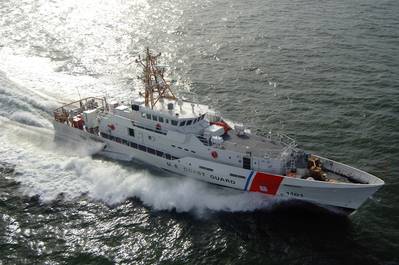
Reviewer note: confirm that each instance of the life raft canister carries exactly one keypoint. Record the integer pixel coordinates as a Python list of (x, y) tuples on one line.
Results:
[(214, 154)]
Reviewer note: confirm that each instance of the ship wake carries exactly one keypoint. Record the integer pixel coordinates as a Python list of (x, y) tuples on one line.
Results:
[(47, 169)]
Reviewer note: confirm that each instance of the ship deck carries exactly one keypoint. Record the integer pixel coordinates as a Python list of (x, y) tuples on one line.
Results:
[(254, 145), (333, 177)]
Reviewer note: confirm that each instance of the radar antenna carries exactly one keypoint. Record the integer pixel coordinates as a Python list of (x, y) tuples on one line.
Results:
[(153, 77)]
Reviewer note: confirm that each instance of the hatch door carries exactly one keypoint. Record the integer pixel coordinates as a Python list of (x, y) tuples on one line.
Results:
[(246, 162)]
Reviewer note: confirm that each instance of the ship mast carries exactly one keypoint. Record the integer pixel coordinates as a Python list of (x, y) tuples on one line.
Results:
[(154, 82)]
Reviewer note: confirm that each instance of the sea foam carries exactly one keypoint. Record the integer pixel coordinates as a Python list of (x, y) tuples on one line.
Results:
[(47, 169)]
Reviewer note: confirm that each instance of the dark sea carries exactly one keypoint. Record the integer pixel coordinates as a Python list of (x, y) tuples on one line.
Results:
[(324, 72)]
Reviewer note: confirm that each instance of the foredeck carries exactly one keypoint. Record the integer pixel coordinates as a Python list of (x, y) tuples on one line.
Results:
[(272, 146)]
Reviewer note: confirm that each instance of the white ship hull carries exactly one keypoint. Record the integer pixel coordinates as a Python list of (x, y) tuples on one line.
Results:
[(190, 139), (337, 194)]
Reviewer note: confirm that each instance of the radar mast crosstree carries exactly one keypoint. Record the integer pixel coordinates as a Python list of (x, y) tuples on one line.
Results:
[(153, 77)]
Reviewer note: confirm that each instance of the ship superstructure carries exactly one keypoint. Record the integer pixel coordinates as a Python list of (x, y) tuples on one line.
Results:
[(190, 139)]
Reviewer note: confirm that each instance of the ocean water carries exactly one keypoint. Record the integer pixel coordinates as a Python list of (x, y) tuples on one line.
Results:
[(324, 72)]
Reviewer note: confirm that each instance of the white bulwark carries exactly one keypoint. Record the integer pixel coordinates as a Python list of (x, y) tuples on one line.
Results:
[(189, 139)]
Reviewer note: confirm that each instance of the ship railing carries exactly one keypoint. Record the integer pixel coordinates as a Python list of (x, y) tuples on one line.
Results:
[(264, 153), (273, 154), (62, 113), (280, 138), (287, 143)]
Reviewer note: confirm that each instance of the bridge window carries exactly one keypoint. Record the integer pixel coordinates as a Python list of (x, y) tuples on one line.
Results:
[(131, 132), (148, 116), (173, 122), (182, 123), (154, 117), (189, 122), (160, 119)]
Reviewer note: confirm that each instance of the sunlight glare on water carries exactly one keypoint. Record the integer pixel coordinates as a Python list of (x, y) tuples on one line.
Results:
[(324, 73)]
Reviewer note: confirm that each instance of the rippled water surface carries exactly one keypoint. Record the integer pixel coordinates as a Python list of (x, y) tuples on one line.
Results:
[(324, 72)]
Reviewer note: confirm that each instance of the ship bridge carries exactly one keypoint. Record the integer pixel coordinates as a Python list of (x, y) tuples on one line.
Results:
[(158, 106), (167, 114)]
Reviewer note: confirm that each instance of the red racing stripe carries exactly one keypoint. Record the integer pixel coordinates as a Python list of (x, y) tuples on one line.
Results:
[(266, 183)]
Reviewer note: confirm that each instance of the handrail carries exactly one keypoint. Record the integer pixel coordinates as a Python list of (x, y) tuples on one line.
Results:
[(281, 138), (287, 143), (62, 114), (80, 100)]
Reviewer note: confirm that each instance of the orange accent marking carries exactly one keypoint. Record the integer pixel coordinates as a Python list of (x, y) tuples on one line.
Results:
[(266, 183)]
